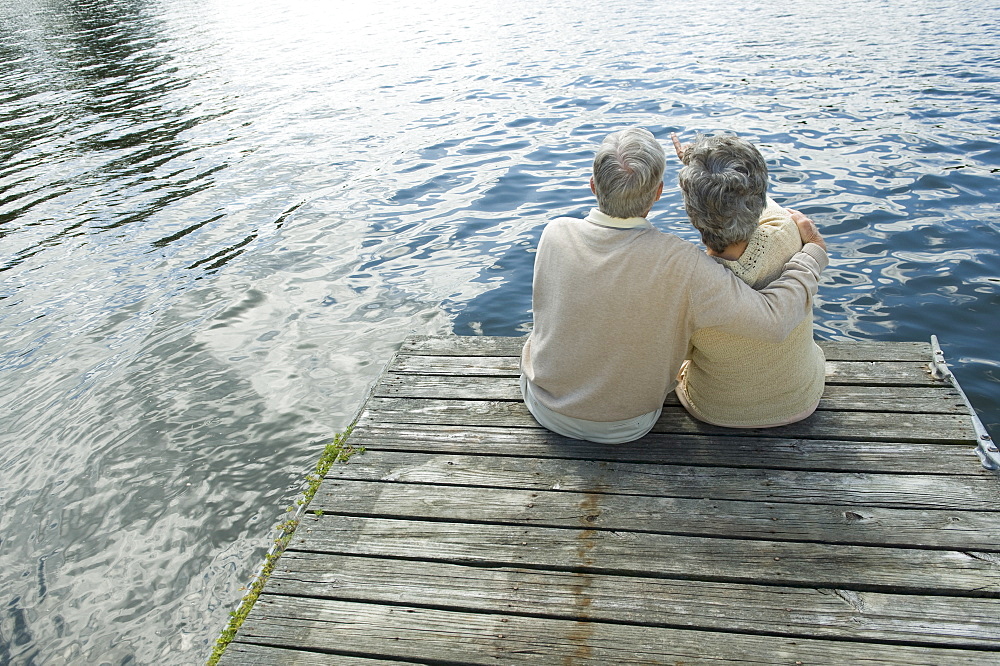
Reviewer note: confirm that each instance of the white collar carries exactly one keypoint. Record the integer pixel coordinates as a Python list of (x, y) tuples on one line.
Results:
[(601, 219)]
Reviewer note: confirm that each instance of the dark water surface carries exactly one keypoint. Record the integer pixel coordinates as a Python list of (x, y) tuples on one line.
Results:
[(219, 218)]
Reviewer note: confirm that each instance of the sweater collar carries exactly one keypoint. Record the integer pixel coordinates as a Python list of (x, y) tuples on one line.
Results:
[(597, 217)]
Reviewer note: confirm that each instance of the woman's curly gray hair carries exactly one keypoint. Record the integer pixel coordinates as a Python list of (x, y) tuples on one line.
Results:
[(628, 170), (724, 180)]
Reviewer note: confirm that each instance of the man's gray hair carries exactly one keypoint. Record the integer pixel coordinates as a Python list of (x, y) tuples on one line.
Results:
[(724, 180), (628, 171)]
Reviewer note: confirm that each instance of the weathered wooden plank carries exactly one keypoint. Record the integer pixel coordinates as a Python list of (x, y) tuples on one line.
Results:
[(788, 611), (836, 397), (462, 345), (880, 373), (465, 366), (846, 524), (875, 350), (883, 373), (942, 399), (406, 385), (852, 350), (710, 450), (481, 638), (972, 493), (862, 568), (820, 425), (248, 654)]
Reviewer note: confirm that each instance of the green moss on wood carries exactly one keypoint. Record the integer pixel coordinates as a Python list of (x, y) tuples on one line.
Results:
[(335, 451)]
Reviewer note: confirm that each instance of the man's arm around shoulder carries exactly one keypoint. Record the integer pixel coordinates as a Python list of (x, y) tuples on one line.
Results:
[(726, 302)]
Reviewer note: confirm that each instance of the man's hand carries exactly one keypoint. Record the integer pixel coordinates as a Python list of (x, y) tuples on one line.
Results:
[(807, 228), (678, 148)]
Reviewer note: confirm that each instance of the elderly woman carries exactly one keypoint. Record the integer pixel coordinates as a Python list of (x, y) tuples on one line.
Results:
[(730, 380)]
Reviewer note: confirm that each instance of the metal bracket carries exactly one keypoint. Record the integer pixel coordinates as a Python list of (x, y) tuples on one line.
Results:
[(987, 449)]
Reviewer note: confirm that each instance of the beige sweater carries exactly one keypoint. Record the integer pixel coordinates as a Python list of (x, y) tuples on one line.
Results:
[(734, 380), (615, 308)]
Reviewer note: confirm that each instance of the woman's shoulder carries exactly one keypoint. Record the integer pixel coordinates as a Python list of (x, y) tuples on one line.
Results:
[(770, 247), (776, 228), (775, 218)]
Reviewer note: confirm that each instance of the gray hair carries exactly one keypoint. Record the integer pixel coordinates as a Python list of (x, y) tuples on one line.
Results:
[(628, 170), (724, 180)]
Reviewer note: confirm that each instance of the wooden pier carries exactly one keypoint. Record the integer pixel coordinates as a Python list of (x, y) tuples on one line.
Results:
[(467, 534)]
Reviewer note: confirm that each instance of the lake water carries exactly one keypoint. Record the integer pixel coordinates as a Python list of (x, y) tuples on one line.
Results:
[(219, 218)]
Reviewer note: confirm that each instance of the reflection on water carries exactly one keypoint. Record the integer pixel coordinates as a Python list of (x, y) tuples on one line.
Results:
[(218, 219)]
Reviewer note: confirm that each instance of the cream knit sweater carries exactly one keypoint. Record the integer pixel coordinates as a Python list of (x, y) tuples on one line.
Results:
[(615, 306), (734, 380)]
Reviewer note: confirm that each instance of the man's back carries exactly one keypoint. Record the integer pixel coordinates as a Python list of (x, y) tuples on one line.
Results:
[(610, 318)]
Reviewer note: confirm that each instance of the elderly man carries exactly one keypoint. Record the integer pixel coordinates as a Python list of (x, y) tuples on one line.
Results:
[(616, 301)]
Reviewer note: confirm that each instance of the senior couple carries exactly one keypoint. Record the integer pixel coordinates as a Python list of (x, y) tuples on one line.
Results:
[(624, 313)]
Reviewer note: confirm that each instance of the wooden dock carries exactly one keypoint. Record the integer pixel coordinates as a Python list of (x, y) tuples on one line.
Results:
[(466, 534)]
